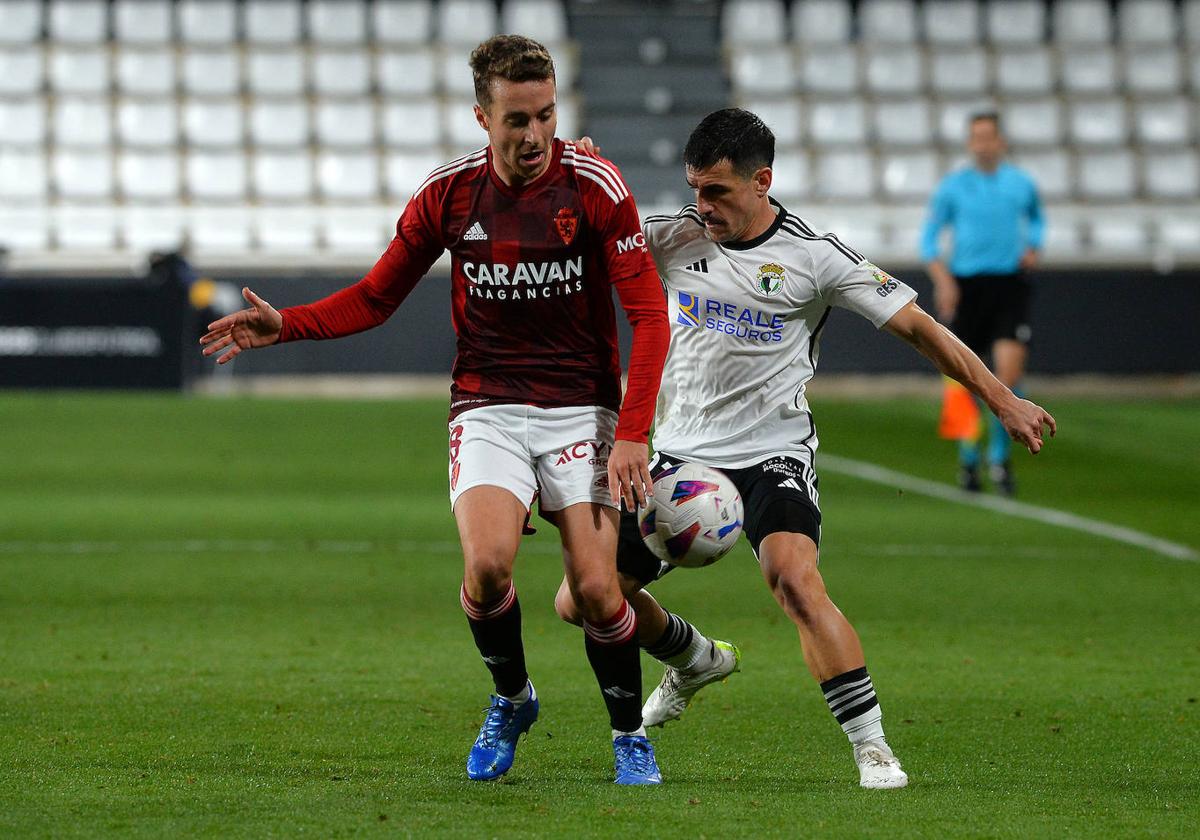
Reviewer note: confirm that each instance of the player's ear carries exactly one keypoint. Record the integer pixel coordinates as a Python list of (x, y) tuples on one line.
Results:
[(762, 181), (481, 117)]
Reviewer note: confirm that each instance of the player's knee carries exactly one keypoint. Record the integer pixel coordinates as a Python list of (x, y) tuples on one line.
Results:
[(564, 605), (596, 598), (488, 574), (801, 594)]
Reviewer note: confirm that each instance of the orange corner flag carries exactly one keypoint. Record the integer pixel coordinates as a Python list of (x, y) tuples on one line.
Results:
[(960, 414)]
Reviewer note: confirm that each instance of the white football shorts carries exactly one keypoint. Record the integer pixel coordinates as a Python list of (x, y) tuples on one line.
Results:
[(558, 455)]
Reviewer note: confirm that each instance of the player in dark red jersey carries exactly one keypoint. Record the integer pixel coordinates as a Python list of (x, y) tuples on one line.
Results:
[(538, 237)]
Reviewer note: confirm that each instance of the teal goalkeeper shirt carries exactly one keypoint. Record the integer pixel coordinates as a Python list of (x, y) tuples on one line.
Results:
[(993, 217)]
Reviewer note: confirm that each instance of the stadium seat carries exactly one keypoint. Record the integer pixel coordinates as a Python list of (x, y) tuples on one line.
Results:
[(402, 21), (895, 70), (792, 176), (151, 228), (275, 71), (413, 123), (542, 20), (20, 21), (903, 122), (149, 175), (1089, 70), (78, 21), (753, 22), (1025, 71), (79, 70), (1033, 122), (566, 66), (90, 227), (909, 175), (1108, 175), (271, 21), (763, 71), (1100, 122), (212, 22), (1119, 232), (1147, 21), (142, 21), (408, 72), (348, 229), (345, 122), (1063, 237), (959, 71), (830, 69), (405, 171), (22, 122), (821, 21), (1191, 22), (782, 116), (837, 122), (148, 122), (1153, 70), (1164, 122), (82, 174), (22, 70), (82, 121), (340, 72), (352, 176), (287, 229), (219, 229), (213, 72), (1180, 235), (145, 71), (459, 127), (1193, 70), (1050, 170), (845, 175), (1171, 175), (952, 116), (282, 175), (213, 123), (1016, 22), (337, 21), (454, 71), (466, 22), (22, 175), (279, 122), (216, 175), (569, 125), (888, 21), (1082, 21), (951, 22), (23, 228)]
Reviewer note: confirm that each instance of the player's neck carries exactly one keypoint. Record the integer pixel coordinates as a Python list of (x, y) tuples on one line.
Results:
[(989, 168), (764, 217)]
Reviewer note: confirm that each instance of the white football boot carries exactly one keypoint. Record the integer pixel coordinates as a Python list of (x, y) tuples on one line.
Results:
[(878, 767), (677, 687)]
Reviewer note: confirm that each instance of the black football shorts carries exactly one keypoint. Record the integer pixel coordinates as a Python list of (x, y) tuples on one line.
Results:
[(992, 307)]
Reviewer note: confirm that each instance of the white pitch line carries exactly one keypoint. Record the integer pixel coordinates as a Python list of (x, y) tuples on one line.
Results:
[(1008, 507)]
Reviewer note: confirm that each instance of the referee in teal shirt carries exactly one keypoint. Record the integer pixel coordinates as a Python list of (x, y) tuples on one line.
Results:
[(995, 217)]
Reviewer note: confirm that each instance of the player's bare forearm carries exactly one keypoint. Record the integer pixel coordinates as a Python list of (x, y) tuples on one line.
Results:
[(1021, 418)]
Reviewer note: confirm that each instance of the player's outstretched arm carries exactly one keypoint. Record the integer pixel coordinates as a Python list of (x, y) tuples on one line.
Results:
[(258, 326), (1023, 420)]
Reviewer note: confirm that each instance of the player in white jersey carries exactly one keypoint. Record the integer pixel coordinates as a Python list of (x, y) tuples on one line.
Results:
[(749, 288)]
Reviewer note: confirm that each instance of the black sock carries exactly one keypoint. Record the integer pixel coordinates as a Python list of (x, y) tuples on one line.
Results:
[(612, 648), (496, 627)]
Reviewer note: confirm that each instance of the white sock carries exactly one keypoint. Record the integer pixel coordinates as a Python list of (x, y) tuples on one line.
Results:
[(640, 731), (523, 696)]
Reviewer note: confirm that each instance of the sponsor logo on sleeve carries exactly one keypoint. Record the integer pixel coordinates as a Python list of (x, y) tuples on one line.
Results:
[(887, 283)]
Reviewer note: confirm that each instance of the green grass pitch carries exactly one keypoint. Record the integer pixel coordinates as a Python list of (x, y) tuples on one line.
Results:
[(239, 618)]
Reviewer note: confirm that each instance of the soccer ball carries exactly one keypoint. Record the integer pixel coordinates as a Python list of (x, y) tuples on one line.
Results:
[(694, 516)]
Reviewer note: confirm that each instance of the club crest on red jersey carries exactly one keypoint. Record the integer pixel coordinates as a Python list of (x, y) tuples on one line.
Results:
[(566, 223)]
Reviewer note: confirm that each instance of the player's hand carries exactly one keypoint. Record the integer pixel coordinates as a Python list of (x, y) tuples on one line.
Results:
[(946, 293), (588, 146), (629, 474), (258, 326), (1024, 422), (1029, 260)]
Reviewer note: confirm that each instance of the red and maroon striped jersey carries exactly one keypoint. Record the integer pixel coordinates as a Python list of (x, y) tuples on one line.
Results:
[(532, 272)]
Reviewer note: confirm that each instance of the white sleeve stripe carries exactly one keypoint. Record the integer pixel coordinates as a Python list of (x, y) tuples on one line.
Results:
[(585, 174), (606, 172), (439, 174)]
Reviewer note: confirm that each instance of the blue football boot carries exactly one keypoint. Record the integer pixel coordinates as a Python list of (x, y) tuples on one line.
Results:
[(493, 751), (635, 761)]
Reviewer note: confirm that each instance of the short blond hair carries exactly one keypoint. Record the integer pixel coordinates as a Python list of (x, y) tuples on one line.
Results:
[(513, 58)]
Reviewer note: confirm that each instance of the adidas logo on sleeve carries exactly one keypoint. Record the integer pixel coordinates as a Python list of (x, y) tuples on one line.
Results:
[(476, 232)]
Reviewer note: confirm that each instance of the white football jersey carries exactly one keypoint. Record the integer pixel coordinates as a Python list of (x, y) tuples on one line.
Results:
[(746, 320)]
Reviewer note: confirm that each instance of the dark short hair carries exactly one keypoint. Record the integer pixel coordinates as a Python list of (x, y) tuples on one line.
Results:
[(513, 58), (988, 114), (731, 134)]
